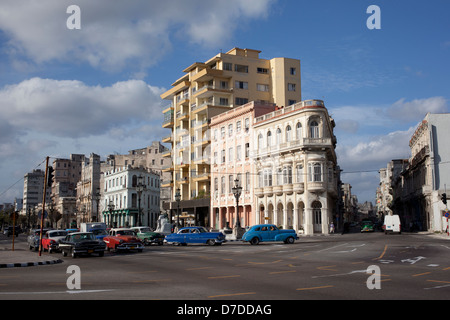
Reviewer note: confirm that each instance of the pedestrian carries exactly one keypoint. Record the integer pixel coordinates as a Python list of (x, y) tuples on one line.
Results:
[(332, 227)]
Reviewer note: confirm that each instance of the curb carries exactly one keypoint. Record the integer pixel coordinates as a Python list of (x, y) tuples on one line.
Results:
[(29, 264)]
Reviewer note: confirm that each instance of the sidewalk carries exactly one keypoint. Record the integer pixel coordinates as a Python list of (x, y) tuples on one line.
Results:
[(24, 258)]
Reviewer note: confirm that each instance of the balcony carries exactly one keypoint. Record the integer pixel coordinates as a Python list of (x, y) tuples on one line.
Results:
[(299, 187), (268, 191), (167, 139), (278, 190), (316, 186), (288, 188), (208, 91), (207, 75), (259, 192)]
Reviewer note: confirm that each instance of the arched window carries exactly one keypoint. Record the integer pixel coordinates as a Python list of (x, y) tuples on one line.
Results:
[(299, 131), (269, 139), (279, 136), (314, 129), (288, 133), (260, 141)]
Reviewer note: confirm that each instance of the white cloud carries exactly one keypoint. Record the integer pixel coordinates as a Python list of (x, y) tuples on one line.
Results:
[(115, 34), (69, 108), (417, 109)]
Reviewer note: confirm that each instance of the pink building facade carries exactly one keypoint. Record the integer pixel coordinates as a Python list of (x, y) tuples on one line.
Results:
[(231, 144)]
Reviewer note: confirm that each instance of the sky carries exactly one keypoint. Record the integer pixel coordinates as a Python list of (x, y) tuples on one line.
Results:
[(96, 88)]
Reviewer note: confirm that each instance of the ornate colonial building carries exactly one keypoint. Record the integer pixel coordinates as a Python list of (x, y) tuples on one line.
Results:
[(296, 168)]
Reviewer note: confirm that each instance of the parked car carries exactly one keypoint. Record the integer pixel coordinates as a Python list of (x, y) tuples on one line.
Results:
[(79, 243), (269, 232), (367, 226), (148, 236), (51, 239), (123, 239), (33, 238), (195, 235), (8, 231), (392, 224)]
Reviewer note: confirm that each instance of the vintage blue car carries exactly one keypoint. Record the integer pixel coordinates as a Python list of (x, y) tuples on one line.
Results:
[(195, 235), (269, 232)]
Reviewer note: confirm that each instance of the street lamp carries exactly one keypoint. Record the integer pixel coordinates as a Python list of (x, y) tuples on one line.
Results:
[(178, 199), (111, 207), (141, 187), (237, 190)]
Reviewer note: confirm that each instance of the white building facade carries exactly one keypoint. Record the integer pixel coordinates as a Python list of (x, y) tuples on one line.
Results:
[(296, 168), (128, 190)]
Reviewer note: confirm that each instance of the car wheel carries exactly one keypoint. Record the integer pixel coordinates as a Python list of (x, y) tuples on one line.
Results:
[(74, 255), (211, 242), (64, 253), (290, 240), (254, 241)]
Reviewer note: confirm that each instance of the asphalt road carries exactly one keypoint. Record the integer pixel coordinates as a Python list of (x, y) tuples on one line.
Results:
[(411, 266)]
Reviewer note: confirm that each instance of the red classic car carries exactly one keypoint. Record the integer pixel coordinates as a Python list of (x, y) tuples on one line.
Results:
[(51, 239), (123, 239)]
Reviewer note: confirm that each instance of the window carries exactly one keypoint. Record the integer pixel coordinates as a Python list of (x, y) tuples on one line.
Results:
[(267, 177), (269, 139), (247, 150), (222, 132), (241, 85), (238, 153), (223, 156), (287, 174), (262, 87), (314, 129), (228, 66), (260, 141), (240, 68), (241, 101), (222, 185), (230, 183), (299, 173), (223, 101), (238, 126), (216, 184), (288, 134), (291, 102), (262, 70), (299, 131), (291, 86), (223, 84), (230, 129), (247, 124), (260, 179), (216, 134), (230, 155), (293, 71), (278, 136), (315, 172), (215, 157)]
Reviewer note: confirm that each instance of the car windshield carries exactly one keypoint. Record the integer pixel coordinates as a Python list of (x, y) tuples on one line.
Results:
[(82, 237), (144, 230), (58, 233), (99, 232), (125, 233)]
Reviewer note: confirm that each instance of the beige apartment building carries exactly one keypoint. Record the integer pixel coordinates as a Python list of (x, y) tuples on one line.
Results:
[(296, 185), (207, 89)]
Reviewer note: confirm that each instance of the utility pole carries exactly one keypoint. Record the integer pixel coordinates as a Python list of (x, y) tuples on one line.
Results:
[(43, 205)]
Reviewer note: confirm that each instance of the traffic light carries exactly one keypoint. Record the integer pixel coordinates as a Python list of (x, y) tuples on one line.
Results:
[(49, 176), (444, 198)]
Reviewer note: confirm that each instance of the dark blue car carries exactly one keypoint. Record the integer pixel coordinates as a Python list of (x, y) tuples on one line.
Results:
[(195, 235)]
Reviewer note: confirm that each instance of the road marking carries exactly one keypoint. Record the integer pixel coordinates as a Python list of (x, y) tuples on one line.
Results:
[(314, 288), (327, 268), (232, 294), (149, 281), (200, 268), (382, 254), (278, 272), (420, 274), (224, 277), (265, 262)]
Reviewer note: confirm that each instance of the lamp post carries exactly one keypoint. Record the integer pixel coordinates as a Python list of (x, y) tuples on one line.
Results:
[(141, 187), (237, 190), (178, 199), (111, 209)]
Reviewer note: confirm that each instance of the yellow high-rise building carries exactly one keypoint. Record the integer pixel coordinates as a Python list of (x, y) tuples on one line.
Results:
[(207, 89)]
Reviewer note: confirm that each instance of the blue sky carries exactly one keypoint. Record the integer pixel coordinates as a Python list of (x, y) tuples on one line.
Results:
[(97, 89)]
